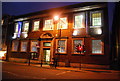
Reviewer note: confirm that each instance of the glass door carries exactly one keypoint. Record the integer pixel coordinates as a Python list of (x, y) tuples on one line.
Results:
[(46, 55)]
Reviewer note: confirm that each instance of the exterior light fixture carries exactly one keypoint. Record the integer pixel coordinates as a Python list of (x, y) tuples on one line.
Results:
[(75, 32), (56, 18)]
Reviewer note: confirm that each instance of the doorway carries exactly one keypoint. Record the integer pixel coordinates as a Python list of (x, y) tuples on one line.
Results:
[(46, 53)]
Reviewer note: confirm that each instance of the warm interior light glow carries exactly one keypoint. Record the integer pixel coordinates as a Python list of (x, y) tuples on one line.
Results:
[(2, 53), (75, 32), (56, 18), (99, 31)]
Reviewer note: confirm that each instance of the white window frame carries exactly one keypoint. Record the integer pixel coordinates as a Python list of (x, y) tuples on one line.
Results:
[(65, 46), (33, 28), (96, 26), (59, 24), (83, 20), (24, 26), (22, 45), (51, 27)]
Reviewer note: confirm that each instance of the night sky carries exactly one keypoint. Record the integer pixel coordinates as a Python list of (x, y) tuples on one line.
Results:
[(19, 8)]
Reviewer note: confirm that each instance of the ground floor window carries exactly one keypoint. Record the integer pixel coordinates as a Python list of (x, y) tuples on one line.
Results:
[(61, 45), (34, 46), (15, 45), (97, 47), (75, 43), (23, 46)]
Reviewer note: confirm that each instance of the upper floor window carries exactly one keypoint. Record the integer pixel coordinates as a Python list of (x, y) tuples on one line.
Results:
[(16, 27), (79, 20), (25, 26), (36, 25), (96, 18), (48, 24), (15, 45), (63, 23), (97, 47)]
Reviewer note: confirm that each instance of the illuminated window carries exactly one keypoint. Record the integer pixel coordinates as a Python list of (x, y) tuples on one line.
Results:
[(36, 25), (47, 44), (16, 27), (15, 45), (97, 47), (25, 26), (79, 20), (23, 46), (63, 23), (96, 18), (75, 43), (2, 22), (34, 46), (61, 46), (48, 24)]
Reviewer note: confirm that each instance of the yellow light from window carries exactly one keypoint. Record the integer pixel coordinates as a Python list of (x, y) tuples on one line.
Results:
[(99, 31), (2, 53)]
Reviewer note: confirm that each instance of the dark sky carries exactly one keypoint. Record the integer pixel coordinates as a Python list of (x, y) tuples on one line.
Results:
[(19, 8)]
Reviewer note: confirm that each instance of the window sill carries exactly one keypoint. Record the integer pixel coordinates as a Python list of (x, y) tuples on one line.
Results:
[(60, 53), (101, 54)]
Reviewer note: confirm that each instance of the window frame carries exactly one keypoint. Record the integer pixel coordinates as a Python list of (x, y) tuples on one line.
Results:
[(102, 43), (23, 28), (96, 11), (77, 14), (44, 28), (14, 45), (31, 45), (83, 43), (21, 46), (33, 25), (65, 46), (58, 24)]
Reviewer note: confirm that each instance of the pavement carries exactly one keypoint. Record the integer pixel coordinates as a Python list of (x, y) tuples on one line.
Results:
[(69, 68)]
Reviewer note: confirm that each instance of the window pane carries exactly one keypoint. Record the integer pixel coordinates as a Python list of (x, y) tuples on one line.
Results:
[(46, 44), (16, 27), (76, 42), (62, 24), (25, 27), (15, 45), (96, 19), (33, 46), (36, 25), (61, 46), (48, 25), (23, 46), (79, 21), (96, 46)]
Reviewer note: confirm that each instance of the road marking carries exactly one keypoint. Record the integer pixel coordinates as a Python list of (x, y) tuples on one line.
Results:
[(62, 73)]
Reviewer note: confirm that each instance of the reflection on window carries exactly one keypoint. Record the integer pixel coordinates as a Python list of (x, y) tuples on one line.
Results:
[(62, 24), (61, 46), (25, 26), (15, 45), (75, 43), (36, 25), (33, 46), (96, 46), (79, 21), (96, 18), (48, 24), (24, 46)]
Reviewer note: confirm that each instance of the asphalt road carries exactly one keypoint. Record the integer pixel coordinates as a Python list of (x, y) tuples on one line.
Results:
[(15, 71)]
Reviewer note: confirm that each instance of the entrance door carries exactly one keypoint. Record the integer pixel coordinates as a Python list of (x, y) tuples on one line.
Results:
[(46, 55)]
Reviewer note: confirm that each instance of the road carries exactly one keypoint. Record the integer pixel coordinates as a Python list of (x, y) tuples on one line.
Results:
[(15, 71)]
